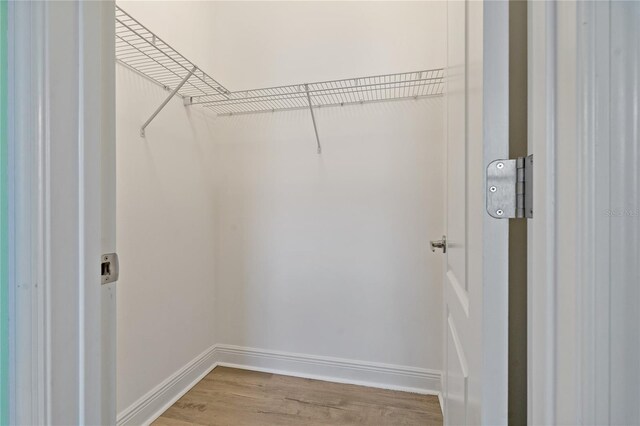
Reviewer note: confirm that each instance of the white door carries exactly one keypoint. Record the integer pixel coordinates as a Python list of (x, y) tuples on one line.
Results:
[(475, 281)]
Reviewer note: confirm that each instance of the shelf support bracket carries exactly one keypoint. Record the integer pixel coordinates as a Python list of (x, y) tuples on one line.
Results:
[(313, 118), (166, 101)]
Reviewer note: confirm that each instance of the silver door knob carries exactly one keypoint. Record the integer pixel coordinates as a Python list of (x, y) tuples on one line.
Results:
[(441, 244)]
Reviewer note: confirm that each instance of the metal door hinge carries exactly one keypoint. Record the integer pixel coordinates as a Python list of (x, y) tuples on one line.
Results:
[(510, 188), (109, 267)]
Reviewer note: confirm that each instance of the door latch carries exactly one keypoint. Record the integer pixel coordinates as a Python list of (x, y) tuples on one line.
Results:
[(441, 244), (109, 267), (510, 188)]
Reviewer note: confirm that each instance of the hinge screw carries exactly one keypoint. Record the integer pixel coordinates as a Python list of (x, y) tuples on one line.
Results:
[(493, 189), (499, 212), (500, 165)]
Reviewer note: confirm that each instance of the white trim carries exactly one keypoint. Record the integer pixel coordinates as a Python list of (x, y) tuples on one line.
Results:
[(55, 149), (29, 219), (593, 238), (338, 370), (540, 366), (150, 406), (552, 359)]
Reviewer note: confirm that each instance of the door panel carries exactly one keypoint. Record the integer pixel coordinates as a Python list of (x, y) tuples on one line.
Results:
[(456, 146), (455, 281), (476, 271), (457, 380)]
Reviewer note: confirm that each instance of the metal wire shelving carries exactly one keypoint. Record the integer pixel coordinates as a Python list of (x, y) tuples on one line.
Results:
[(144, 52), (140, 50), (416, 84)]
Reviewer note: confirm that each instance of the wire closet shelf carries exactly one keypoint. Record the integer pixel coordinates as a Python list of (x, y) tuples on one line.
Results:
[(415, 84), (140, 50)]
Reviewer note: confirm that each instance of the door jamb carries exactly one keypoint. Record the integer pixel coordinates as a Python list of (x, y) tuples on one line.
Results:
[(55, 153)]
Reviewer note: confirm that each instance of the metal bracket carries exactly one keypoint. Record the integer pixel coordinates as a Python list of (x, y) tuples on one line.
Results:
[(110, 268), (166, 101), (313, 118), (510, 188)]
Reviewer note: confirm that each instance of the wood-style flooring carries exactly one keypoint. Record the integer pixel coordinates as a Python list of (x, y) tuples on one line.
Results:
[(233, 397)]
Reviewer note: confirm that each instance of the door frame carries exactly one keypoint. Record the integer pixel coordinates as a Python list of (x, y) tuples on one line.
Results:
[(552, 307), (571, 134), (4, 222), (541, 267), (59, 117), (562, 92)]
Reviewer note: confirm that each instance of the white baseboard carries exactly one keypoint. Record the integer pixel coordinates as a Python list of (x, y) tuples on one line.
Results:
[(149, 407), (378, 375), (386, 376)]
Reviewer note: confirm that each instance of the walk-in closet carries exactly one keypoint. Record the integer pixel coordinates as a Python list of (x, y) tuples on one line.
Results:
[(280, 174)]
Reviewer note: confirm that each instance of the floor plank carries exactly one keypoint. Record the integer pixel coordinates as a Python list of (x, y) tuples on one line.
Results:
[(229, 396)]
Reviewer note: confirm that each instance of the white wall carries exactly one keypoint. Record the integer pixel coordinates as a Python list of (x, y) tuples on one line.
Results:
[(313, 41), (291, 251), (165, 237), (328, 255)]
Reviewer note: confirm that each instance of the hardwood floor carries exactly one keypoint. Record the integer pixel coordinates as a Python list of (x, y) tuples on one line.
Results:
[(229, 396)]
